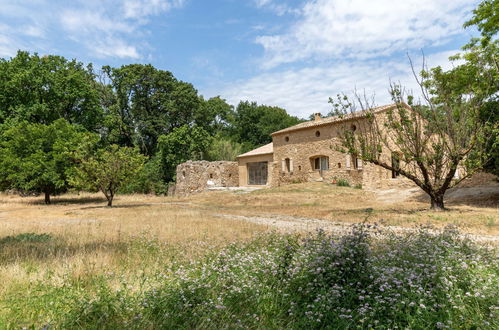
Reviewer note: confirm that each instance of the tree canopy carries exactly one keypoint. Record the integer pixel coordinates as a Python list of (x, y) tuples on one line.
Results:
[(43, 89), (38, 157)]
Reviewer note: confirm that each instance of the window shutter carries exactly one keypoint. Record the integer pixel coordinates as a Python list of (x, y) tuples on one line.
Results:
[(291, 165), (359, 163), (348, 160), (283, 165)]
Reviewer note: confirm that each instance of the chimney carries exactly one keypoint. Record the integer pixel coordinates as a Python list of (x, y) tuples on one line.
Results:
[(317, 116)]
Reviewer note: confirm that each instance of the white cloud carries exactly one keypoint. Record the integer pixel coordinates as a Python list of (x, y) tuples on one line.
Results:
[(362, 29), (276, 6), (136, 9), (109, 28), (307, 90)]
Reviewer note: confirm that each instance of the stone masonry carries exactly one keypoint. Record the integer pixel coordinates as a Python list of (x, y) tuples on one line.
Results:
[(197, 176)]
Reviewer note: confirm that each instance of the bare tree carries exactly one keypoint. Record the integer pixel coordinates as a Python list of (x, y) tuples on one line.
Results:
[(435, 142)]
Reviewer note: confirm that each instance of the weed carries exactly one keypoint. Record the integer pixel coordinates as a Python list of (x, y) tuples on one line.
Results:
[(343, 183)]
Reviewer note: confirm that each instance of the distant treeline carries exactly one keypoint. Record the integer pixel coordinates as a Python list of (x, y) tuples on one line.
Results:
[(56, 113)]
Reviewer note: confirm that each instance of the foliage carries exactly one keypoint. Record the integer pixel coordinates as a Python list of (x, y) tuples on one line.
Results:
[(149, 103), (43, 89), (368, 278), (254, 123), (182, 144), (223, 149), (37, 157), (148, 180), (107, 169), (343, 183), (486, 19)]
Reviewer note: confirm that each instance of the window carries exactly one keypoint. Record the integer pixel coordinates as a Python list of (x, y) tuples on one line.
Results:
[(317, 133), (286, 139), (320, 163), (339, 165), (354, 162), (287, 166), (299, 167), (353, 128)]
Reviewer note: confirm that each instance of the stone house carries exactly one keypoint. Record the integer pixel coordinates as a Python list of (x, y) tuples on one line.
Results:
[(301, 153), (308, 152)]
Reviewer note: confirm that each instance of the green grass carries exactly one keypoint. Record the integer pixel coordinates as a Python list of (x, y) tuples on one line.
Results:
[(360, 280)]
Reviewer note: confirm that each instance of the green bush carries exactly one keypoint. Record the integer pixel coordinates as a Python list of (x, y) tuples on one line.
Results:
[(343, 183)]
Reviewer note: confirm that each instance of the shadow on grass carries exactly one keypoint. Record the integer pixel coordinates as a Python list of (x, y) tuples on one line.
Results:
[(117, 206), (71, 200), (481, 197)]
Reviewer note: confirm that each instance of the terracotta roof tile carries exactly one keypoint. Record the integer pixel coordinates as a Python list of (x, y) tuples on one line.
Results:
[(332, 119), (263, 150)]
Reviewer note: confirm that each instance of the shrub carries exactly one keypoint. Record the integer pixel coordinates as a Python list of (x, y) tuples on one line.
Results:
[(343, 183)]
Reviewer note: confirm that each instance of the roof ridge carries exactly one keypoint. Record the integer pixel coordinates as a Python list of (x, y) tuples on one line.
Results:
[(331, 119)]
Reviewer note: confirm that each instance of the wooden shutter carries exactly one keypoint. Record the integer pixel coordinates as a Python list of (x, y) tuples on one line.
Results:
[(359, 163), (348, 160), (291, 165), (283, 167)]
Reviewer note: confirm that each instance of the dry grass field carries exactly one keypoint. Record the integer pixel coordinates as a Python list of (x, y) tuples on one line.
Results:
[(79, 238)]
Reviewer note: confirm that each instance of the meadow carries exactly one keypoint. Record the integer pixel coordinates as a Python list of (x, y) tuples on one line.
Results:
[(196, 262)]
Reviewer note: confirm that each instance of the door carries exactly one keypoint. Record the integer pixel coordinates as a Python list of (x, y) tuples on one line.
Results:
[(257, 173)]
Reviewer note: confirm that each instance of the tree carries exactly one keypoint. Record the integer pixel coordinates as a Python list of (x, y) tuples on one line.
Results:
[(254, 123), (223, 148), (478, 74), (486, 19), (428, 143), (454, 129), (149, 103), (43, 89), (106, 169), (182, 144), (37, 157), (215, 116)]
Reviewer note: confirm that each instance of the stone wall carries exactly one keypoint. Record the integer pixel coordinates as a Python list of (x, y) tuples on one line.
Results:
[(302, 146), (197, 176)]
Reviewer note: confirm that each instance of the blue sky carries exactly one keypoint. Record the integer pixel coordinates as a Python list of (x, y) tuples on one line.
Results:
[(293, 54)]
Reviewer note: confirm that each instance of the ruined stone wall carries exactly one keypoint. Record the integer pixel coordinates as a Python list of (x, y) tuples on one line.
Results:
[(197, 176)]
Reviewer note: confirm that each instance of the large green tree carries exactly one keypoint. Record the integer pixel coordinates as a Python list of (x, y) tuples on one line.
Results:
[(37, 157), (149, 103), (254, 123), (182, 144), (42, 89)]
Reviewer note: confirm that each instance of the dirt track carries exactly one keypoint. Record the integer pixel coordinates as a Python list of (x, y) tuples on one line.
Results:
[(291, 224)]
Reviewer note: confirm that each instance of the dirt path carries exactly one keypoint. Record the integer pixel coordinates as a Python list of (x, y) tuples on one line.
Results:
[(290, 224)]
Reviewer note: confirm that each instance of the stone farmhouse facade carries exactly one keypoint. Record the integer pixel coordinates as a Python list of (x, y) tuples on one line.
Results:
[(308, 152), (302, 153)]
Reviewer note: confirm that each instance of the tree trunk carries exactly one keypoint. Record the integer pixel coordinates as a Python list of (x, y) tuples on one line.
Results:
[(110, 199), (437, 202), (47, 197)]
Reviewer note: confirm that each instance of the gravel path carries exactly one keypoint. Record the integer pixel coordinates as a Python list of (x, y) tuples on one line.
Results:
[(290, 224)]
